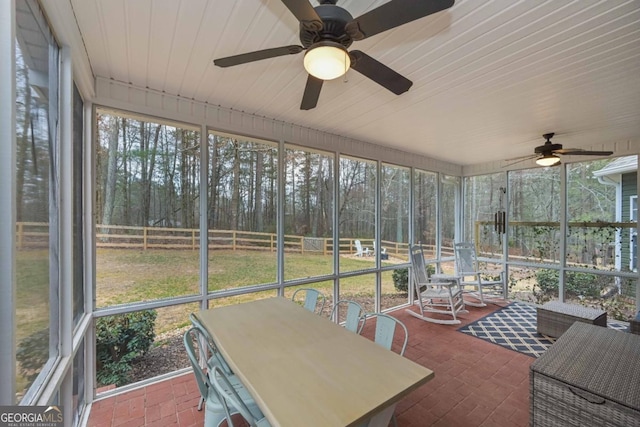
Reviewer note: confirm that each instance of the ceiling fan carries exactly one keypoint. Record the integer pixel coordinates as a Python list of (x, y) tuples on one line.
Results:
[(547, 153), (327, 30)]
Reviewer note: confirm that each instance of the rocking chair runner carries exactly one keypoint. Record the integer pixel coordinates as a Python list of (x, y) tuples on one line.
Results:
[(470, 275), (434, 297)]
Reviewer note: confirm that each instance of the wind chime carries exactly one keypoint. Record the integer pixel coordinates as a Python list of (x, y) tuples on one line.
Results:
[(500, 217)]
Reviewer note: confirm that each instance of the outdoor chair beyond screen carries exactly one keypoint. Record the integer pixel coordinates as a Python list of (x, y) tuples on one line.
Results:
[(441, 298), (354, 317), (314, 300), (359, 250), (383, 251), (215, 412), (483, 284)]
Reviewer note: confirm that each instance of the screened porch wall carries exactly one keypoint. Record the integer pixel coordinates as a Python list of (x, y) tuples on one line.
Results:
[(126, 97)]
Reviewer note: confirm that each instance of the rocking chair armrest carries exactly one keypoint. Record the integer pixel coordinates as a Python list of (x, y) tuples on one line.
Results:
[(492, 273), (423, 286), (449, 284)]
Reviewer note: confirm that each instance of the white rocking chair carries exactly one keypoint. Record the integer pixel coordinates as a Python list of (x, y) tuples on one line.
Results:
[(443, 298), (483, 283)]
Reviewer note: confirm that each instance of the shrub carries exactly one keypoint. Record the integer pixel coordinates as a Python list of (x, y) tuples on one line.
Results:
[(33, 353), (120, 339), (401, 278), (576, 284)]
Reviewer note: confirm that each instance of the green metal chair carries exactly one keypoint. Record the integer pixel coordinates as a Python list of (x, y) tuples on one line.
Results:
[(215, 411), (231, 399), (209, 356), (314, 300), (386, 327), (355, 317)]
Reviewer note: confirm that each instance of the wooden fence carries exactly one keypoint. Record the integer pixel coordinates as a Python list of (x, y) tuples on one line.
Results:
[(36, 235)]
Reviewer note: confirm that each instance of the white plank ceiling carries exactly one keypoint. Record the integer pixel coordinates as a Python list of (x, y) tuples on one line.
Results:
[(489, 77)]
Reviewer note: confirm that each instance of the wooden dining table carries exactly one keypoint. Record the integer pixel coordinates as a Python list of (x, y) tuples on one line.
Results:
[(305, 370)]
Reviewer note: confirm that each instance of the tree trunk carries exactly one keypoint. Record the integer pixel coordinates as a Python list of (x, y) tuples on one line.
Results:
[(23, 141), (213, 185), (149, 156), (258, 193), (112, 165), (235, 198), (316, 209)]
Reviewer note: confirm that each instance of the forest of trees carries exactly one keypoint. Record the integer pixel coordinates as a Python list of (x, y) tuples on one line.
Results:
[(148, 175)]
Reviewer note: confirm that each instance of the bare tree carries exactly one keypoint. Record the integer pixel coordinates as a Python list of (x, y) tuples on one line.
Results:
[(112, 176)]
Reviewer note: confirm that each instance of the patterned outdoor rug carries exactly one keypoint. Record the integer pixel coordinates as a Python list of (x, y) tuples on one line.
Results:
[(514, 327)]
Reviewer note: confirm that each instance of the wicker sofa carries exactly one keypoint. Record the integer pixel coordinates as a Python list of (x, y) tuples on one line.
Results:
[(589, 377)]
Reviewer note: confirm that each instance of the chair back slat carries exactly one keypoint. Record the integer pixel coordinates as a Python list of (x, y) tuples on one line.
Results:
[(420, 274), (355, 317), (386, 329), (191, 336), (314, 300), (466, 262)]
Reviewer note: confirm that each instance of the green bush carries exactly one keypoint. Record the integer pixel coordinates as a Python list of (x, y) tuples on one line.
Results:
[(401, 278), (576, 284), (120, 339)]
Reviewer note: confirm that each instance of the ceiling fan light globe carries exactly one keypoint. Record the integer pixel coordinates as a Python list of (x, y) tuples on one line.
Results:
[(548, 160), (327, 60)]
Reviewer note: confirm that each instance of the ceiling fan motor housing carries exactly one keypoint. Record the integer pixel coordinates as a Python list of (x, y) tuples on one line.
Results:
[(334, 19), (548, 147)]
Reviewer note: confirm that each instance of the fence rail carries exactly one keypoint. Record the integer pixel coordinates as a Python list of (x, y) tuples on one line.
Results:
[(35, 235), (32, 235)]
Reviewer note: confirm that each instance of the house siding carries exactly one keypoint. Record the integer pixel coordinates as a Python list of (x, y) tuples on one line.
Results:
[(629, 188)]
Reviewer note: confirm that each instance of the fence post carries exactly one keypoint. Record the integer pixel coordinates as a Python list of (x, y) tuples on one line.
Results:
[(144, 238), (302, 244), (233, 240), (193, 239), (20, 231)]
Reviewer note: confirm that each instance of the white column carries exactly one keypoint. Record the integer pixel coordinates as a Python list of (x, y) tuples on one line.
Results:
[(7, 203)]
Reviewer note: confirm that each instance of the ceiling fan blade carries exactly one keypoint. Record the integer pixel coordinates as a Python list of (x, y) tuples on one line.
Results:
[(519, 160), (258, 55), (379, 73), (393, 14), (311, 93), (581, 152), (305, 13)]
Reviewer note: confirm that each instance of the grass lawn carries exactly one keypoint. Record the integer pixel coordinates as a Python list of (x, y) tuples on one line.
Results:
[(32, 307), (126, 276)]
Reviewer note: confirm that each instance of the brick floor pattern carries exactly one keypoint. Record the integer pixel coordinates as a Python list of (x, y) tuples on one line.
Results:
[(476, 384)]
